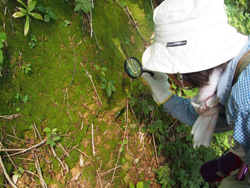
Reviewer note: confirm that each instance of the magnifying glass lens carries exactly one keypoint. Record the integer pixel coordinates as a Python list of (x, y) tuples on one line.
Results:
[(133, 67)]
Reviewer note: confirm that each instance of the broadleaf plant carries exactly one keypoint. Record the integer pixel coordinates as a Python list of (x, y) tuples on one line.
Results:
[(48, 13), (26, 68), (27, 12), (108, 85), (52, 136), (83, 5)]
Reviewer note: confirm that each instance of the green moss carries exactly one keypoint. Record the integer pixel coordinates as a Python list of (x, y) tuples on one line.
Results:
[(2, 180), (54, 67)]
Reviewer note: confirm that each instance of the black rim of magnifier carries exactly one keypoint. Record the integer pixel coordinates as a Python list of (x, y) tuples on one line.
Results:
[(125, 68)]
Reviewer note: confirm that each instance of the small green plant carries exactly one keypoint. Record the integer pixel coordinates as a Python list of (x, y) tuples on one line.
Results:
[(19, 172), (123, 4), (33, 41), (28, 13), (18, 109), (25, 98), (164, 176), (26, 68), (126, 41), (108, 85), (123, 144), (51, 136), (65, 23), (139, 185), (48, 13), (103, 69), (2, 39), (17, 96), (124, 160), (148, 16), (83, 5)]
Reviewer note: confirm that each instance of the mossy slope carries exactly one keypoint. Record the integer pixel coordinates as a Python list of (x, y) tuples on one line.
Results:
[(61, 95)]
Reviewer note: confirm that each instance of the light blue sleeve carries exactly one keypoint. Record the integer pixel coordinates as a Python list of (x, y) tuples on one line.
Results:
[(181, 109)]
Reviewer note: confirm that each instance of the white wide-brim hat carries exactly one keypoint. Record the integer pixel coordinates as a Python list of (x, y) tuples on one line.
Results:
[(191, 36)]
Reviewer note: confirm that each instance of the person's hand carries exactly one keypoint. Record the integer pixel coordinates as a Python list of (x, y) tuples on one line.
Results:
[(159, 86)]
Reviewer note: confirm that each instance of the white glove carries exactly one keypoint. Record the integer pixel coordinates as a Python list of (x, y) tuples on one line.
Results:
[(159, 86)]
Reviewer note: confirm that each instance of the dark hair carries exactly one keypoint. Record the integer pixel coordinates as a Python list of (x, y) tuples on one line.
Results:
[(199, 79)]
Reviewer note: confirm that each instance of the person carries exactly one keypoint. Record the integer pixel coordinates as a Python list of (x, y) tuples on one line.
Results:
[(196, 47)]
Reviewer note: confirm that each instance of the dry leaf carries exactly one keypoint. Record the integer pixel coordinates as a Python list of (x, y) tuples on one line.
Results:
[(81, 160), (15, 178)]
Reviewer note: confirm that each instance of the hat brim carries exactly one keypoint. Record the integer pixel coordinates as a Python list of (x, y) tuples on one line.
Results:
[(201, 53)]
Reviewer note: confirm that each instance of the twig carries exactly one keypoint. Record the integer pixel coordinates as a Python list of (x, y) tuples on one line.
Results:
[(67, 96), (12, 116), (93, 145), (117, 127), (69, 151), (43, 183), (90, 77), (6, 174), (59, 60), (90, 22), (32, 173), (1, 145), (69, 114), (133, 114), (155, 150), (141, 156), (66, 93), (132, 19), (34, 125), (35, 128), (30, 148), (65, 152), (84, 154), (13, 31), (125, 132), (110, 170), (19, 149), (122, 52), (81, 125), (18, 138), (61, 41), (34, 131), (171, 126), (107, 185), (152, 4), (96, 41), (74, 68), (99, 178), (54, 153)]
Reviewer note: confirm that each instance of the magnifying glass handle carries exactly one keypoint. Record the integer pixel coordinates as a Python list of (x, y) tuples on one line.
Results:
[(149, 72)]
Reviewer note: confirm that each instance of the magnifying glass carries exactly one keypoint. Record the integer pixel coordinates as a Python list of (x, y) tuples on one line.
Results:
[(133, 68)]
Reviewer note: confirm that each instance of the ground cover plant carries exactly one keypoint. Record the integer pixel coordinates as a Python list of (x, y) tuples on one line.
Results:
[(27, 13), (61, 127)]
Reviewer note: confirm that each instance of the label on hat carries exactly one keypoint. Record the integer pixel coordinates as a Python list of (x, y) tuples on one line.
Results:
[(177, 43)]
